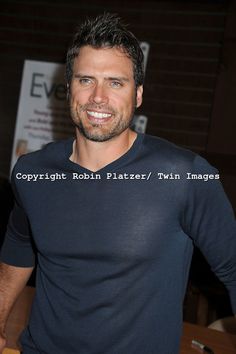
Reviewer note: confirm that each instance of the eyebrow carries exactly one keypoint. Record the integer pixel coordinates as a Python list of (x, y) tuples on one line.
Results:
[(109, 78), (119, 78)]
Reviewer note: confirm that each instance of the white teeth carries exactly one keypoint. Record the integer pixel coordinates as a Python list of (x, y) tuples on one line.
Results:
[(98, 114)]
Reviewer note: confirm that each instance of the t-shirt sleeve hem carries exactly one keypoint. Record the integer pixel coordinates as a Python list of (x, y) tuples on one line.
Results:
[(16, 254)]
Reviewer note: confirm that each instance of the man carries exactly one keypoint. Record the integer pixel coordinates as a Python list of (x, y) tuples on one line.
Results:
[(112, 235)]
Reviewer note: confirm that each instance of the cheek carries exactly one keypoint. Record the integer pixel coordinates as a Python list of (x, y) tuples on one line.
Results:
[(126, 101), (76, 100), (129, 103), (79, 97)]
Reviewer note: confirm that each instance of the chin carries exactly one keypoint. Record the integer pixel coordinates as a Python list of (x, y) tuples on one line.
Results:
[(99, 133), (98, 137)]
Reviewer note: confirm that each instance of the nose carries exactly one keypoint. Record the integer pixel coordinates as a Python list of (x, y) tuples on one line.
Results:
[(99, 94)]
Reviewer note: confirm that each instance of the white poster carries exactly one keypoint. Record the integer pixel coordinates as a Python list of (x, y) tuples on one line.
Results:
[(43, 112), (43, 115)]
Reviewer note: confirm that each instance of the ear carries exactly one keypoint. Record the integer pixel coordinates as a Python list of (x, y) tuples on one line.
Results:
[(139, 96)]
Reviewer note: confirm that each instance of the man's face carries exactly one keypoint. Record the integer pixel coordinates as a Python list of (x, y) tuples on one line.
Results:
[(103, 95)]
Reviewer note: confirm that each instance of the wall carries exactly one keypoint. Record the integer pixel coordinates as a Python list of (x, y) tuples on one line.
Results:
[(186, 42)]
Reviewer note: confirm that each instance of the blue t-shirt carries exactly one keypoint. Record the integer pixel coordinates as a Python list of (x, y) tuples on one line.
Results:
[(114, 246)]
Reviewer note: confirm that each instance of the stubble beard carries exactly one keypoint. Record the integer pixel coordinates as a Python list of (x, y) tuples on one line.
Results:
[(95, 132)]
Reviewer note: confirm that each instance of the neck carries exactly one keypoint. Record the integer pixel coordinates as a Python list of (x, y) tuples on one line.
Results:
[(96, 155)]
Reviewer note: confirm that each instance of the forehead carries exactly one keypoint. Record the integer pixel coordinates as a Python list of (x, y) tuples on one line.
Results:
[(103, 60)]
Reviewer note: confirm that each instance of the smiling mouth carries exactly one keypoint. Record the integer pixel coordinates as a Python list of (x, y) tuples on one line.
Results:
[(98, 117)]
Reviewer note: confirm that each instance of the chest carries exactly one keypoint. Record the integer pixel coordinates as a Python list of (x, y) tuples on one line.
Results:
[(104, 218)]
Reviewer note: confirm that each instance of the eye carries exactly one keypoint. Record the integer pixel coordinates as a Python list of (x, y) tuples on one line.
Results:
[(85, 81), (116, 84)]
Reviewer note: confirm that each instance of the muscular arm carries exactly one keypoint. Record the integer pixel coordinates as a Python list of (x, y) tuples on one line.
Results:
[(12, 281), (210, 221)]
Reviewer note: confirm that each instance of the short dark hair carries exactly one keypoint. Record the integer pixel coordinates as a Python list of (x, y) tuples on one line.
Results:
[(106, 30)]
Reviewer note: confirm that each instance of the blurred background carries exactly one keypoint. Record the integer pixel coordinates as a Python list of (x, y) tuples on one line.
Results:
[(189, 91)]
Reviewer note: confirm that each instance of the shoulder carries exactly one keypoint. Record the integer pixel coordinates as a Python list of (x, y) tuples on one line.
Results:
[(166, 148), (172, 155)]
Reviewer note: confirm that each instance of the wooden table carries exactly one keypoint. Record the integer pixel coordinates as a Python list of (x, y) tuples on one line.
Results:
[(221, 343)]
